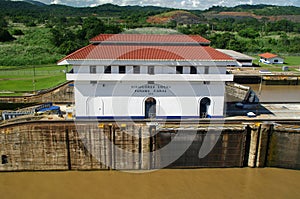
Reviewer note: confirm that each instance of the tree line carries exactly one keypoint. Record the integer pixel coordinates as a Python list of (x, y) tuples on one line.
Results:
[(66, 29)]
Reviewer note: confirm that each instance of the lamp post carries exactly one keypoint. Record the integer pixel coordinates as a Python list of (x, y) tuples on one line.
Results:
[(259, 93)]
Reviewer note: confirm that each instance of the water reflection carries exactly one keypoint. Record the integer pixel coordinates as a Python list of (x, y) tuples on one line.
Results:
[(175, 183), (277, 93)]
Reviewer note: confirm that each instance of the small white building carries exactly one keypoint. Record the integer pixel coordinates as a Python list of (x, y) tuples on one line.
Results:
[(148, 76), (269, 58), (241, 59)]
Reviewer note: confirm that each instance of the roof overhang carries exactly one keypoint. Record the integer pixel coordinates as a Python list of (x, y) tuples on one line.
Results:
[(149, 62)]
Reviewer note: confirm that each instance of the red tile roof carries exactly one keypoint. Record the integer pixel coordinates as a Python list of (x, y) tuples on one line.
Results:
[(268, 55), (148, 47), (144, 52), (150, 38)]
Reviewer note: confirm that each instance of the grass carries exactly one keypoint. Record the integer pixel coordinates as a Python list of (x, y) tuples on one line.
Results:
[(18, 81), (292, 60)]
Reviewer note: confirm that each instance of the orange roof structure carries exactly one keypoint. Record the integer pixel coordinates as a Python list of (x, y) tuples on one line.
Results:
[(268, 55), (123, 52), (148, 48)]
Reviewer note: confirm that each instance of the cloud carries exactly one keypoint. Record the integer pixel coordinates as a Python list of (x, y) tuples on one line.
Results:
[(183, 4)]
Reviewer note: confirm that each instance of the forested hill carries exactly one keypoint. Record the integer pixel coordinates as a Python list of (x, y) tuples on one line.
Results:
[(266, 10), (36, 9)]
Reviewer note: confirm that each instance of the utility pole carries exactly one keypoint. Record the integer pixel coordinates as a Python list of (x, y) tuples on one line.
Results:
[(33, 79)]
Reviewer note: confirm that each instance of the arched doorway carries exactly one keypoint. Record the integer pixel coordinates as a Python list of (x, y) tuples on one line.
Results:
[(204, 105), (150, 108)]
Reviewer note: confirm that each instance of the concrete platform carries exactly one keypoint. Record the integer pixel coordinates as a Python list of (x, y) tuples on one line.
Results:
[(264, 111)]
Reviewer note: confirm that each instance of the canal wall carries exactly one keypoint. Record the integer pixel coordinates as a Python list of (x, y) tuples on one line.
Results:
[(238, 91), (38, 146), (62, 93), (273, 79)]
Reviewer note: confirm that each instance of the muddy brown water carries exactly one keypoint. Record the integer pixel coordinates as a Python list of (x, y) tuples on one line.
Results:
[(277, 93), (175, 183)]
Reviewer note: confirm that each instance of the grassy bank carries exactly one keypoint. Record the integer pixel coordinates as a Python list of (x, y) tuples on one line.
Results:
[(18, 81)]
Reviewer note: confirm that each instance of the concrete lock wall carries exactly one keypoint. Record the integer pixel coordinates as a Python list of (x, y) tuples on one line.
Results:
[(61, 93), (284, 147), (86, 146)]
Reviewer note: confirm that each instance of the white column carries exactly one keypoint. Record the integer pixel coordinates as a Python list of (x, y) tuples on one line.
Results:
[(144, 69), (114, 69), (186, 70), (129, 69), (100, 69)]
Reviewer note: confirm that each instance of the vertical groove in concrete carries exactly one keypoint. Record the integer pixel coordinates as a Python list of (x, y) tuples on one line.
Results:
[(140, 148), (262, 144), (247, 141), (68, 149), (253, 146)]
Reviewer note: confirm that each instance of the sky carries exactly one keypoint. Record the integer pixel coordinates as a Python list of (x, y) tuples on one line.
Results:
[(183, 4)]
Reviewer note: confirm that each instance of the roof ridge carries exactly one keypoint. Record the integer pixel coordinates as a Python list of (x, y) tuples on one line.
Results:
[(154, 38)]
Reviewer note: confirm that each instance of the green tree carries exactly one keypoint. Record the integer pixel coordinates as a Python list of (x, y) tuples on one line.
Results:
[(3, 23), (248, 33), (91, 27), (17, 32), (222, 40)]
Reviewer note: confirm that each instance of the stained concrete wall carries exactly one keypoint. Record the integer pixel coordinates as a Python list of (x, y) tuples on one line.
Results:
[(87, 146), (33, 147), (284, 147), (66, 146), (228, 150)]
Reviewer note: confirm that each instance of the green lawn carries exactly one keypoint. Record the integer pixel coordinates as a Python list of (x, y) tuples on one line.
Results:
[(292, 60), (20, 80)]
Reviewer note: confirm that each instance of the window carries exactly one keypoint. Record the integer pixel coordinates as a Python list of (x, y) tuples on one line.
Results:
[(122, 69), (206, 70), (136, 69), (179, 69), (193, 70), (107, 69), (151, 70), (206, 82), (93, 82), (92, 69), (276, 60)]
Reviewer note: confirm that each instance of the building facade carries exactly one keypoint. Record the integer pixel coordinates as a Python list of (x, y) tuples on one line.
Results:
[(148, 76), (269, 58)]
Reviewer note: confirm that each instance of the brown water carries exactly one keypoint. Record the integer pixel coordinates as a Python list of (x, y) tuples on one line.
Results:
[(277, 93), (193, 183)]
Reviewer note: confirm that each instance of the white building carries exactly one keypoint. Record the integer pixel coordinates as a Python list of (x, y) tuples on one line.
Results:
[(241, 59), (269, 58), (148, 76)]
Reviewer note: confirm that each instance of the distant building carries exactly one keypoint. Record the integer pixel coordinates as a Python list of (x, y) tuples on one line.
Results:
[(148, 76), (269, 58), (242, 59)]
